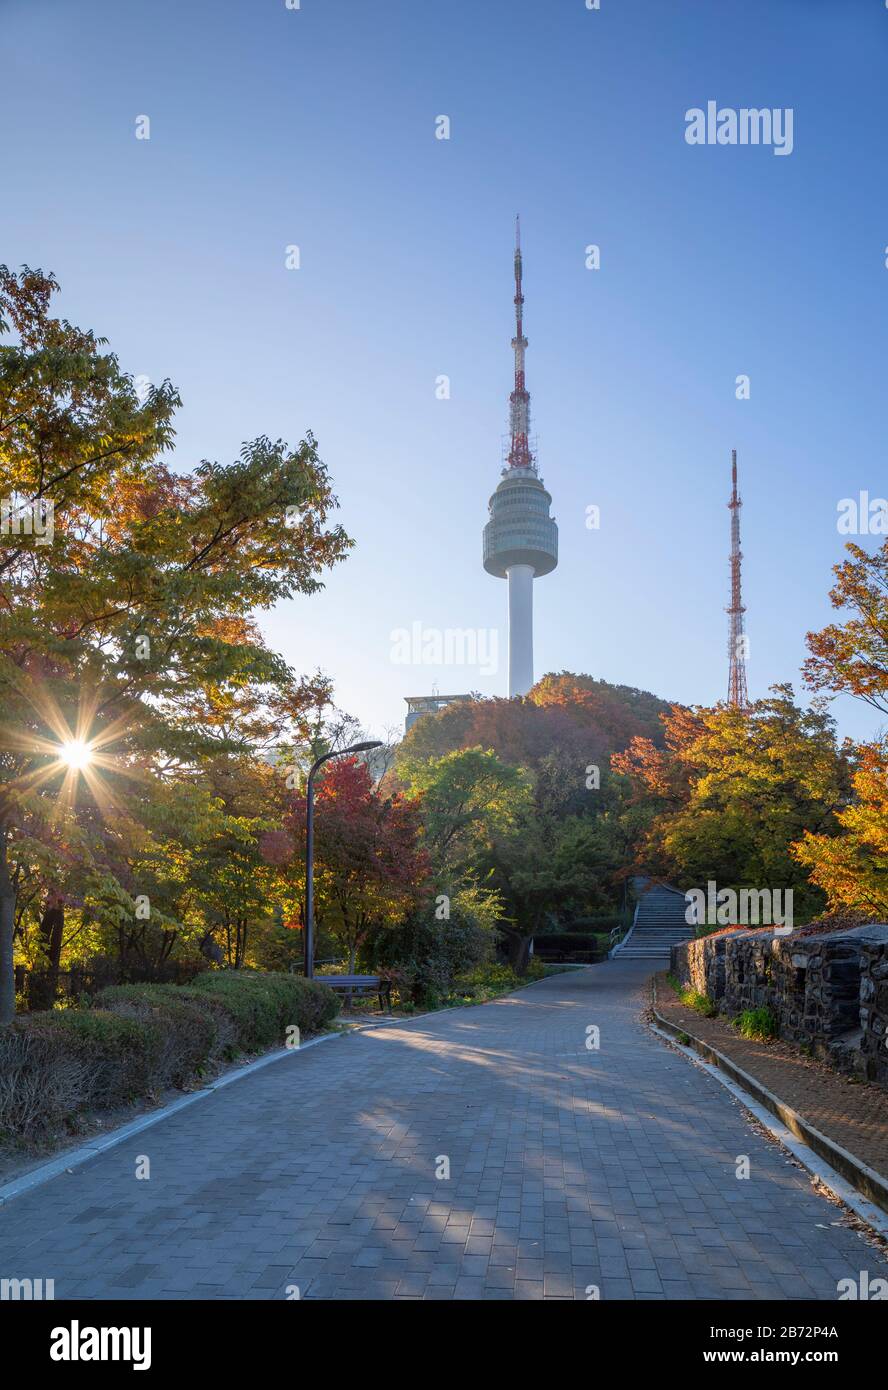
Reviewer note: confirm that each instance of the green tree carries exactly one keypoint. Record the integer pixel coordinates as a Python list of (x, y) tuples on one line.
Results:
[(465, 796), (543, 866)]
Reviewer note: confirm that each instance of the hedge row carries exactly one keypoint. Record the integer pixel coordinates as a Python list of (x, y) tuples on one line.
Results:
[(140, 1039), (569, 941)]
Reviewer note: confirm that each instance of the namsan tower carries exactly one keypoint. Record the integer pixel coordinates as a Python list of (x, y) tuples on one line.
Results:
[(520, 539)]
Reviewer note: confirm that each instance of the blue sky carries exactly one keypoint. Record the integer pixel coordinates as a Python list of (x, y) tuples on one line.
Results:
[(316, 127)]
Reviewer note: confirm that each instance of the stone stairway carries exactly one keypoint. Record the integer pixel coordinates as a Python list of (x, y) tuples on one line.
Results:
[(658, 924)]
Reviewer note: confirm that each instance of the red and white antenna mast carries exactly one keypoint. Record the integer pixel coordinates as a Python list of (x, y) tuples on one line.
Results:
[(519, 400), (737, 694)]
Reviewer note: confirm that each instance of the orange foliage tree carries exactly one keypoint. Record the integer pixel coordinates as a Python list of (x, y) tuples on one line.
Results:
[(852, 869), (853, 656)]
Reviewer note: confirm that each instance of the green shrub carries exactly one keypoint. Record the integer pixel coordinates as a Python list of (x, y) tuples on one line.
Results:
[(490, 980), (263, 1006), (422, 957), (191, 1033), (757, 1024), (605, 923), (574, 942), (54, 1064), (142, 1038), (537, 970), (126, 1051)]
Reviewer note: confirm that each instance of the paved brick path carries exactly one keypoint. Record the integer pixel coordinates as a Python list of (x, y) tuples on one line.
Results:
[(853, 1114), (568, 1168)]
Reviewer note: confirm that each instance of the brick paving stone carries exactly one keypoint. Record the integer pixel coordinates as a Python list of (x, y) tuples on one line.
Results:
[(569, 1169)]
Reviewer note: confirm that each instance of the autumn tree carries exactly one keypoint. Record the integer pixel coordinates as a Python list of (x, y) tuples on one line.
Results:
[(123, 586), (524, 840), (586, 718), (369, 865), (852, 655), (733, 791), (852, 868), (564, 735), (229, 878)]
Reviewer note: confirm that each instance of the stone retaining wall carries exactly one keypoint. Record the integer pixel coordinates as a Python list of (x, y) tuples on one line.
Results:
[(874, 1003), (828, 992), (700, 965)]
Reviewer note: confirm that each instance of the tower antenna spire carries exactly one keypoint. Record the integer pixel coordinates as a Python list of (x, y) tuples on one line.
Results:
[(519, 401), (737, 694)]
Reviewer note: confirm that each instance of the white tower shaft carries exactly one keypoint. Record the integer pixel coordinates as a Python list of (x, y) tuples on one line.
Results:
[(520, 629)]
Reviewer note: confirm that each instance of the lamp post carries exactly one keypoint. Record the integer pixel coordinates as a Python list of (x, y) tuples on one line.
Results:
[(309, 846)]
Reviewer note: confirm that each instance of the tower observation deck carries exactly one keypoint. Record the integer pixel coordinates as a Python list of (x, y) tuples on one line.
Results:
[(520, 538)]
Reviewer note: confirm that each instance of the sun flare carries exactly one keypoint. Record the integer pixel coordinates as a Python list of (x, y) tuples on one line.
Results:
[(76, 754)]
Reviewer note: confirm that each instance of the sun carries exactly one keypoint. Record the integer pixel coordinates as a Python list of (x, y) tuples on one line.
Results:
[(76, 754)]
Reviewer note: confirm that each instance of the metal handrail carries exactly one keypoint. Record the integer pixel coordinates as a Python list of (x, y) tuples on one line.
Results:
[(623, 937)]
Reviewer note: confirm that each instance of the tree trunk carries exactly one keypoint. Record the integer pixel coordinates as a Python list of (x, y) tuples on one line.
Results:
[(52, 927), (519, 951), (7, 928)]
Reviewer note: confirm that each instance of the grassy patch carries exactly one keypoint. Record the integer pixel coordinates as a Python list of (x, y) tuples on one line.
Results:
[(692, 999), (490, 981), (757, 1024)]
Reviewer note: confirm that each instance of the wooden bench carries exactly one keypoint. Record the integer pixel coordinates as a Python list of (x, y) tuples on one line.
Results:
[(360, 984)]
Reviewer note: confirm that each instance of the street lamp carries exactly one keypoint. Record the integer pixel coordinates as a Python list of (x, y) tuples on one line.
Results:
[(309, 846)]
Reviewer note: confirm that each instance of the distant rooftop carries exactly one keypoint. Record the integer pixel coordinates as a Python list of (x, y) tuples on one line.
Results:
[(418, 705)]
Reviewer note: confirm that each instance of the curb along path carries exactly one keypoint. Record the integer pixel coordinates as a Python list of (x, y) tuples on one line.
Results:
[(844, 1122)]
